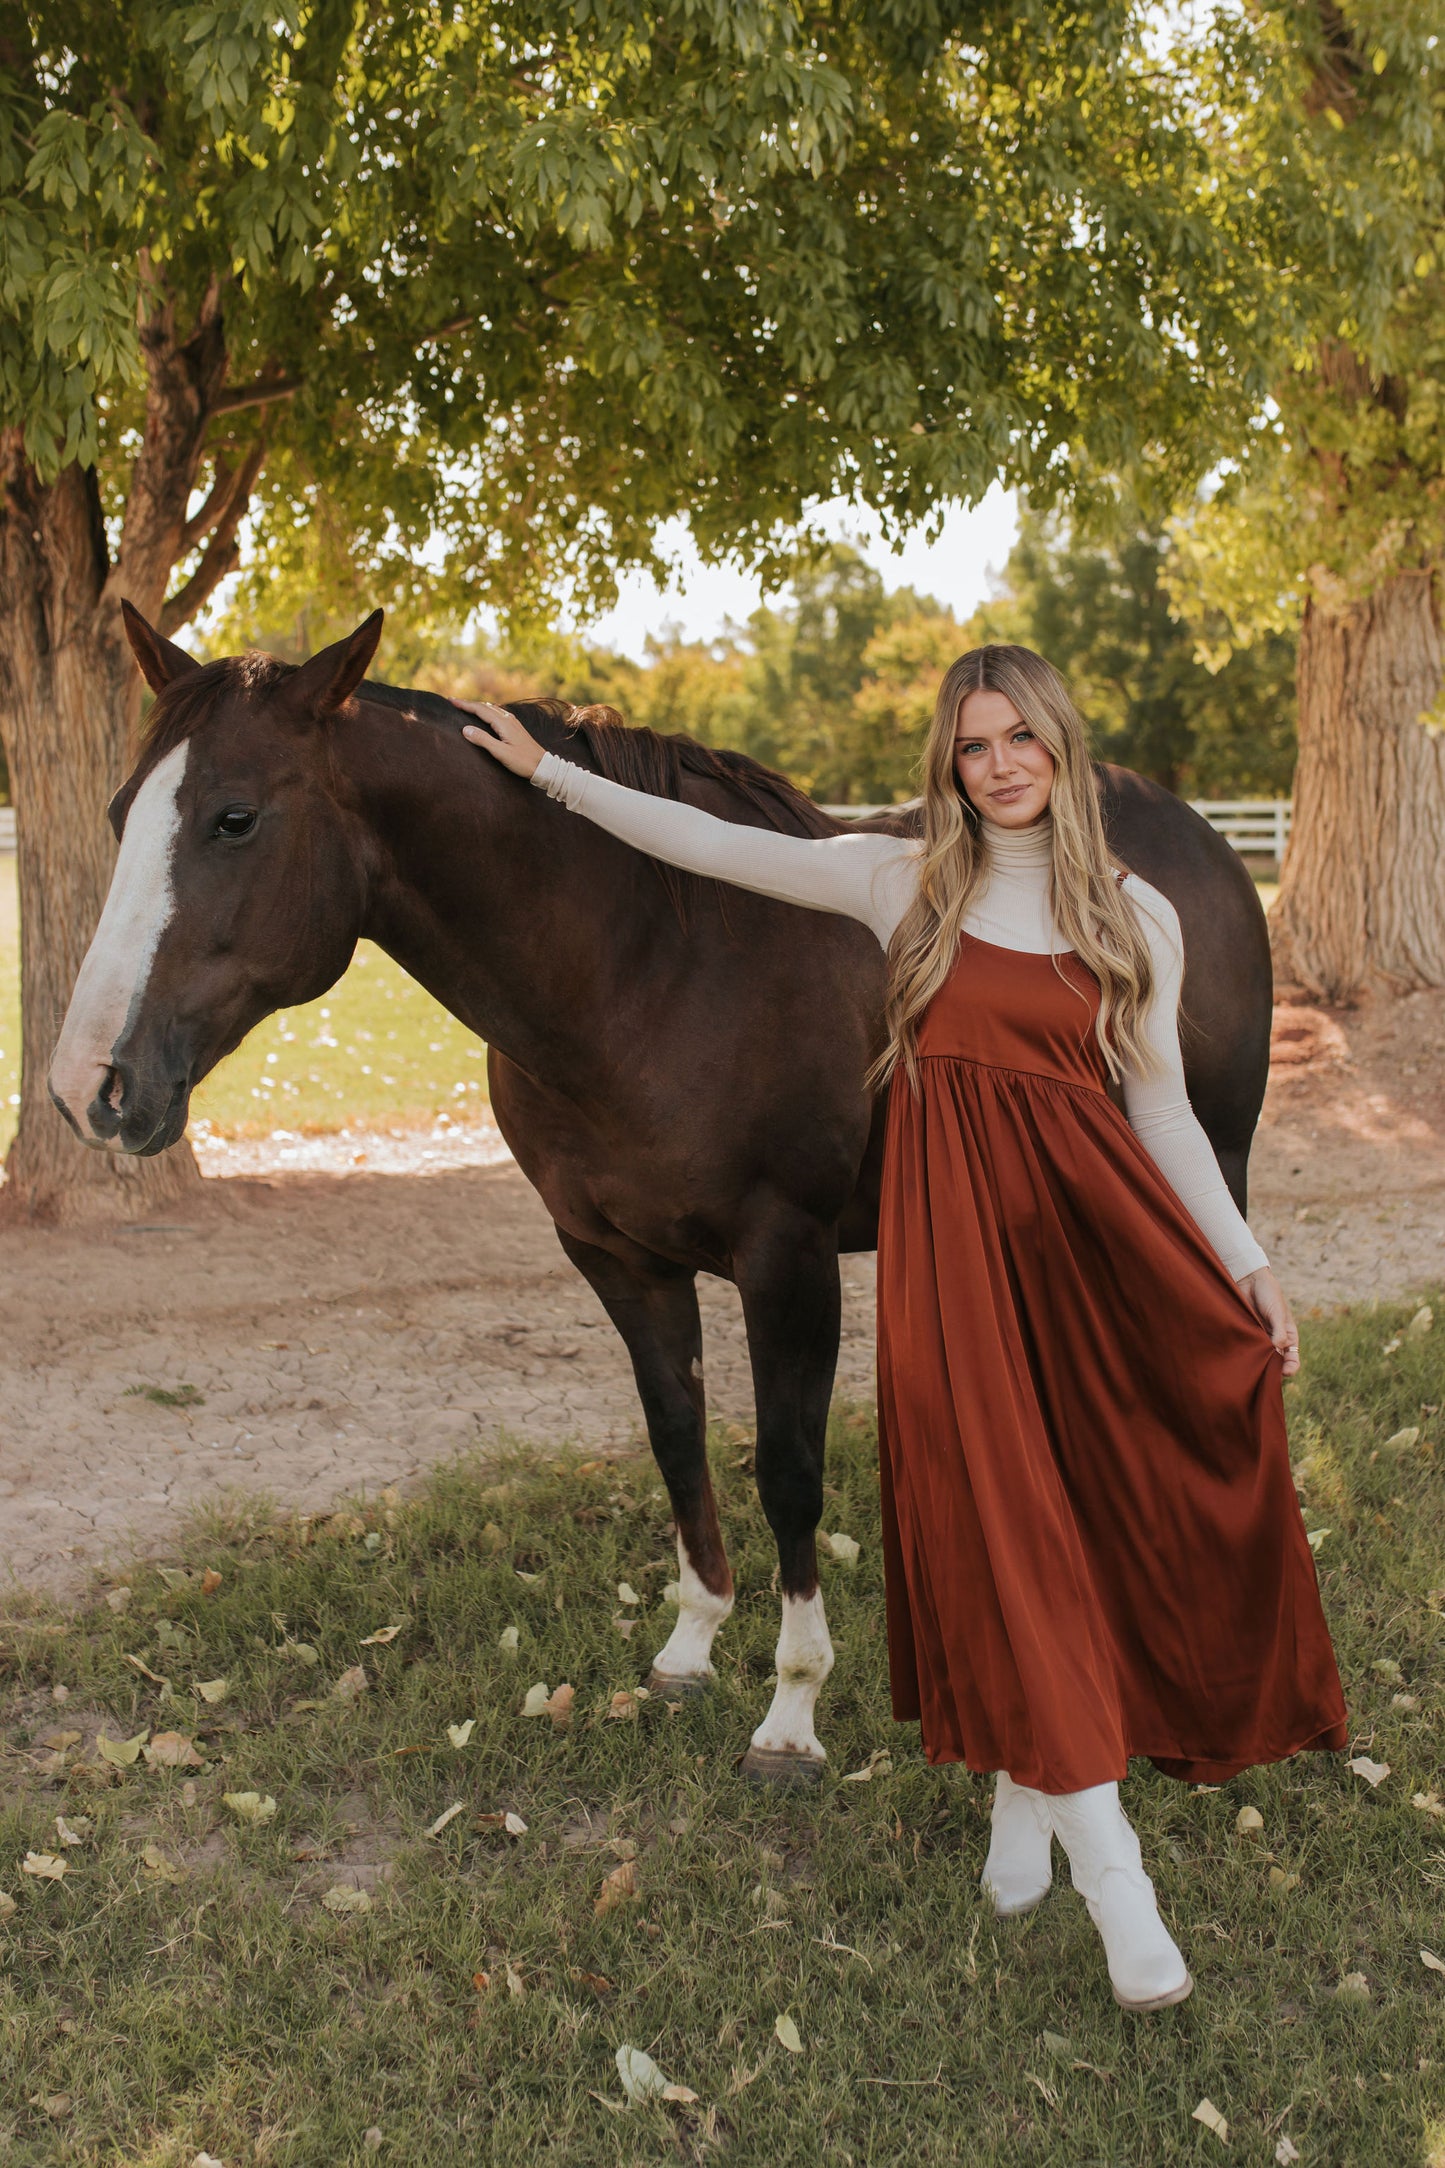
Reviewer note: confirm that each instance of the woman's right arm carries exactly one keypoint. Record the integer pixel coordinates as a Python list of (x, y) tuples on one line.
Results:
[(865, 877)]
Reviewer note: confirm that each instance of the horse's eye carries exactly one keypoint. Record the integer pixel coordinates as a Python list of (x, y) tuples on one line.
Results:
[(236, 821)]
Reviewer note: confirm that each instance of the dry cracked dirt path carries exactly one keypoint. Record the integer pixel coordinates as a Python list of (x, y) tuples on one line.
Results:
[(342, 1315)]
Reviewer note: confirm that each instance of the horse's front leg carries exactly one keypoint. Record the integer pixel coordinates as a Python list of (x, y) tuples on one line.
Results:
[(792, 1305), (653, 1304)]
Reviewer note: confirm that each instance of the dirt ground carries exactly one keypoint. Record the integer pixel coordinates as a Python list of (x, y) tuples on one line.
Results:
[(348, 1310)]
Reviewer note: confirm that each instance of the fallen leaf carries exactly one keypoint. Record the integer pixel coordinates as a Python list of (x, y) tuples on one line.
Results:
[(382, 1636), (682, 2094), (879, 1764), (173, 1750), (156, 1678), (597, 1981), (641, 2078), (210, 1581), (1059, 2045), (352, 1682), (1402, 1440), (492, 1537), (302, 1652), (626, 1593), (786, 2034), (622, 1706), (843, 1547), (119, 1599), (460, 1734), (1316, 1536), (1207, 2114), (559, 1706), (1386, 1668), (625, 1626), (1285, 2154), (535, 1700), (58, 1741), (1354, 1987), (1431, 1962), (45, 1866), (450, 1815), (73, 1832), (56, 2105), (8, 1906), (1428, 1803), (514, 1825), (1249, 1821), (212, 1690), (527, 1577), (1282, 1881), (1373, 1772), (342, 1899), (121, 1753), (508, 1638), (618, 1888), (1420, 1323), (1404, 1701), (250, 1806)]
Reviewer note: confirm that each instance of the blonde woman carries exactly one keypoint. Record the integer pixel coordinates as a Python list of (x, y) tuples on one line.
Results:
[(1092, 1542)]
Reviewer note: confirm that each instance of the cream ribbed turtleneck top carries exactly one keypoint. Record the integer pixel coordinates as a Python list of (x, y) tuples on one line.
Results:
[(873, 878)]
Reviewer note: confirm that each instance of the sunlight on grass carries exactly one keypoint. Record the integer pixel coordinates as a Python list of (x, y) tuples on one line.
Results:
[(382, 1951), (377, 1050)]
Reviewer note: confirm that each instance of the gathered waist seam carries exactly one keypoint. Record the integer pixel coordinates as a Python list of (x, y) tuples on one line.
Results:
[(1034, 1076)]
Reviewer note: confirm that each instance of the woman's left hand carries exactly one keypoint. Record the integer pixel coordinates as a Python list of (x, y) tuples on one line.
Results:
[(1267, 1299)]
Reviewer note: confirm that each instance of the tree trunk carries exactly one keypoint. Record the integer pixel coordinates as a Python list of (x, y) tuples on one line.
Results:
[(69, 706), (1362, 891)]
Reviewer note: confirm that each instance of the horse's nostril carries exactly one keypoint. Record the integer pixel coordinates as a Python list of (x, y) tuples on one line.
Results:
[(112, 1091)]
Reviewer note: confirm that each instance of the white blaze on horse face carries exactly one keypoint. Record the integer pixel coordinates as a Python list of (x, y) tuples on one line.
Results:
[(688, 1652), (805, 1657), (117, 964)]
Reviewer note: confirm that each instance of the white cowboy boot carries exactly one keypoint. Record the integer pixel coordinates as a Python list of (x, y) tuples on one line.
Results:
[(1019, 1870), (1146, 1970)]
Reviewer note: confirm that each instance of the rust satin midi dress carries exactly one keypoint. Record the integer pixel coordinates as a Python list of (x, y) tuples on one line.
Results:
[(1091, 1537)]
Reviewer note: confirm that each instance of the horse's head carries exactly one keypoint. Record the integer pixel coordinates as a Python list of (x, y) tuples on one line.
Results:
[(239, 887)]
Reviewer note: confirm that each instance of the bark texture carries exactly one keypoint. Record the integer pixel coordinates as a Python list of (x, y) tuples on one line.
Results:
[(1362, 892)]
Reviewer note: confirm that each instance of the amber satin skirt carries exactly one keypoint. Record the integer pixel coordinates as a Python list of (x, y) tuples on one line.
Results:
[(1091, 1536)]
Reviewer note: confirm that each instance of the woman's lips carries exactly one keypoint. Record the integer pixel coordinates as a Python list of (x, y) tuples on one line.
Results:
[(1007, 797)]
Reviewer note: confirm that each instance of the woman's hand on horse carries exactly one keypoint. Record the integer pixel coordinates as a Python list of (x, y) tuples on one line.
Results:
[(506, 740), (1267, 1299)]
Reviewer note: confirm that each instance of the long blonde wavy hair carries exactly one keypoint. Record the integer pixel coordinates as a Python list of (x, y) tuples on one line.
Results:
[(1091, 915)]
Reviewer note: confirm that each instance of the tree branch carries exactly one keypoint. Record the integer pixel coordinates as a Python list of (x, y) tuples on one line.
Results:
[(265, 391), (222, 553), (217, 503)]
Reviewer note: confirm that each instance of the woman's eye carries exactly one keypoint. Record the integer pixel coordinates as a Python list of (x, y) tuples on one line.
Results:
[(236, 821)]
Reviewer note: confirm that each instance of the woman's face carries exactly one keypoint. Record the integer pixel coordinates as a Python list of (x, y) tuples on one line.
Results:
[(1006, 774)]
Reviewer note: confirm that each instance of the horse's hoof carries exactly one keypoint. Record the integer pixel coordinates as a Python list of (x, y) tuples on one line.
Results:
[(765, 1765), (668, 1688)]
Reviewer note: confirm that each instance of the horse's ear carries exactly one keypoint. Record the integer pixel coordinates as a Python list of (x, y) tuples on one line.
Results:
[(161, 661), (331, 677)]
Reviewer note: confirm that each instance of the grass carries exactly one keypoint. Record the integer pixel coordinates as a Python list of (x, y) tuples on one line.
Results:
[(200, 1994), (375, 1052)]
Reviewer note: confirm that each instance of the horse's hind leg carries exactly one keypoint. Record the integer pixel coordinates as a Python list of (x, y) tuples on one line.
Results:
[(792, 1305), (654, 1307)]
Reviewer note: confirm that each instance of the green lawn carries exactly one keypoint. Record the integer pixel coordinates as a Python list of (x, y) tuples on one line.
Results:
[(376, 1051), (187, 1987)]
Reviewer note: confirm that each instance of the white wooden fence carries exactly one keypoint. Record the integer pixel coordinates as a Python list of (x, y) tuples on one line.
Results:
[(1257, 827)]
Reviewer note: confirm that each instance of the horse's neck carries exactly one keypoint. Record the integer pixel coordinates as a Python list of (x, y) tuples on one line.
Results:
[(491, 896)]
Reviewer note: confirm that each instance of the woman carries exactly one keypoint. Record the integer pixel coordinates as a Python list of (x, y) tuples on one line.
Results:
[(1092, 1541)]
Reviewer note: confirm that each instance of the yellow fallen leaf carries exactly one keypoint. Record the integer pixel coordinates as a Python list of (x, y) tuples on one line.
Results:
[(1402, 1441), (516, 1985), (1282, 1881), (618, 1888), (121, 1753), (622, 1706), (119, 1599), (514, 1825), (535, 1700), (1373, 1772), (156, 1678), (75, 1831), (1354, 1987), (1207, 2114), (641, 2078), (210, 1581), (449, 1815), (382, 1636), (8, 1906), (460, 1734), (45, 1866), (212, 1690), (842, 1547), (1317, 1536), (1386, 1668), (59, 1741), (507, 1640), (559, 1706), (683, 2094), (879, 1764), (1286, 2153), (1428, 1803), (352, 1682), (342, 1899), (492, 1537), (786, 2033), (1431, 1962), (250, 1806), (155, 1859), (1420, 1323), (1249, 1821), (626, 1593), (173, 1750)]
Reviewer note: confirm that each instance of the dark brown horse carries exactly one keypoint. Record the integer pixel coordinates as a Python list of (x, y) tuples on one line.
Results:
[(678, 1067)]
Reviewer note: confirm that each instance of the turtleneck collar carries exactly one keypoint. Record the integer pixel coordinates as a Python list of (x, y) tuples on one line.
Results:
[(1015, 849)]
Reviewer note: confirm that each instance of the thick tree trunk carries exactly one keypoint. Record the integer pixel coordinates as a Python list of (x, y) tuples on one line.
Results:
[(69, 705), (1362, 892)]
